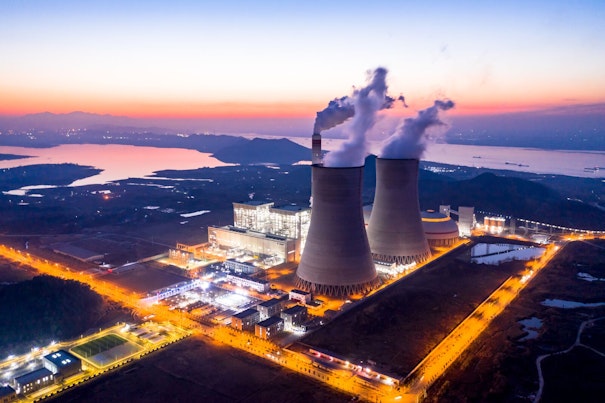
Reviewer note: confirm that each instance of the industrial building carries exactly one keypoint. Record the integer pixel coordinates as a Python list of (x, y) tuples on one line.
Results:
[(33, 381), (240, 267), (7, 394), (257, 243), (252, 218), (294, 317), (466, 218), (242, 280), (301, 296), (395, 229), (269, 327), (245, 320), (62, 364), (269, 308), (337, 259), (493, 225), (440, 230)]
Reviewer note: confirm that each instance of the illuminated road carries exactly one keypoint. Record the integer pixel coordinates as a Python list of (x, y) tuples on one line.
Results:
[(342, 377), (450, 348)]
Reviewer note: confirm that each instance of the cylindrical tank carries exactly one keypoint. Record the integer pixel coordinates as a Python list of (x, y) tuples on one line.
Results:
[(337, 259), (395, 230)]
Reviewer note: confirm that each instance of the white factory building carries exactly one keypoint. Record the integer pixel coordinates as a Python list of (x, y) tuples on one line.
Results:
[(262, 229)]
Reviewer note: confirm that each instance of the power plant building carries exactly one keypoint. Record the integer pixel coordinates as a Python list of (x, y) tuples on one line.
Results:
[(262, 229), (493, 225), (337, 259), (466, 220), (395, 230), (257, 243), (440, 230)]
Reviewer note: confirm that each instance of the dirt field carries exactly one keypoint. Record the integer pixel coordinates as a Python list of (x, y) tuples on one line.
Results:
[(195, 371), (400, 325), (500, 366), (144, 278)]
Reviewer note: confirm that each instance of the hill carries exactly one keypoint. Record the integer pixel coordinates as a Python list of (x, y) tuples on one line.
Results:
[(512, 196), (264, 151)]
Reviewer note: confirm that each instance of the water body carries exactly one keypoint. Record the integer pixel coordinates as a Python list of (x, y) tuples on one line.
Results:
[(560, 303), (531, 326), (583, 164), (118, 162)]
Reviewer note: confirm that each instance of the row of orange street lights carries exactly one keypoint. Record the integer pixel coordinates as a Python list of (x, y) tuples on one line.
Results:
[(416, 383), (450, 348)]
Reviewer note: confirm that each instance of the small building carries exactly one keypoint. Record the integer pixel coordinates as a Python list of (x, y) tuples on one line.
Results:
[(269, 327), (7, 394), (32, 381), (240, 267), (269, 308), (303, 297), (245, 320), (294, 317), (243, 280), (62, 364)]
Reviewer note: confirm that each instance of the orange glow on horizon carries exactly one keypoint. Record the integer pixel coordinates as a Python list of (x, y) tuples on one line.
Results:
[(21, 102)]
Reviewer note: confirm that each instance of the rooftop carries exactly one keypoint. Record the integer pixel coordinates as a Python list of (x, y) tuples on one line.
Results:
[(32, 376), (291, 207), (254, 202), (301, 292), (271, 302), (6, 391), (61, 358), (244, 314), (270, 321), (294, 310)]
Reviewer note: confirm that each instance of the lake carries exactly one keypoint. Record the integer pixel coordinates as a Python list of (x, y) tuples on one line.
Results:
[(125, 161), (571, 163), (116, 161)]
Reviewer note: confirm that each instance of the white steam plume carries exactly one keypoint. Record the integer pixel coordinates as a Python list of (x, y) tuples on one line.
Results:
[(341, 109), (409, 140), (366, 102)]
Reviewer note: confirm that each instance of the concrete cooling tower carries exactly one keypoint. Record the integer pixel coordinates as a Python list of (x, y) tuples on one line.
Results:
[(395, 229), (336, 260)]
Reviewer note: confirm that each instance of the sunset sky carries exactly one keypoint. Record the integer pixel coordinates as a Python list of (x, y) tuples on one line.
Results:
[(289, 58)]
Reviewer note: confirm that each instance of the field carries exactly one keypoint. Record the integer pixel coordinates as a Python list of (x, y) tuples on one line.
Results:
[(197, 370), (106, 350), (501, 364), (400, 325)]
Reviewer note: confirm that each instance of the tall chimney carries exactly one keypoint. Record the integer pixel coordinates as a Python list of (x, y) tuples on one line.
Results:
[(316, 149)]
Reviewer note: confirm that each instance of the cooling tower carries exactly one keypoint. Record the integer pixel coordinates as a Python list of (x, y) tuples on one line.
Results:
[(337, 259), (395, 230)]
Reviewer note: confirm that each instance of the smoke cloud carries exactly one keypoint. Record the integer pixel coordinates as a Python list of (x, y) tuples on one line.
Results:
[(341, 109), (366, 102), (337, 111), (409, 140)]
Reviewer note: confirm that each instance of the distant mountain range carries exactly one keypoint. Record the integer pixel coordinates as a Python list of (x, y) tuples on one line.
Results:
[(75, 120)]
